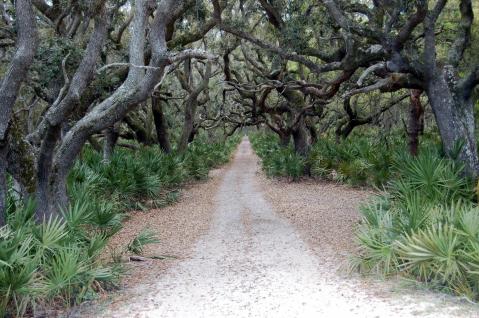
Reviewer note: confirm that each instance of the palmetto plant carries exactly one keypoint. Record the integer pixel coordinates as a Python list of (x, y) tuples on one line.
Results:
[(358, 161), (145, 237), (56, 260), (278, 161), (377, 238), (423, 224), (426, 226), (436, 179)]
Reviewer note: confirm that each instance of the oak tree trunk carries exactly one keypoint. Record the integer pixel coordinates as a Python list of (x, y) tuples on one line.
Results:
[(416, 119), (190, 112), (300, 138), (111, 137), (44, 200), (454, 113), (284, 139), (160, 124), (3, 185), (12, 80)]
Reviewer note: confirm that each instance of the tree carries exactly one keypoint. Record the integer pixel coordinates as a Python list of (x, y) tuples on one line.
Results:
[(10, 84), (75, 108)]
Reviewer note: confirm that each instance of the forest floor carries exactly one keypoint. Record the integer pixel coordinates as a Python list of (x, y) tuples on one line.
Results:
[(247, 246)]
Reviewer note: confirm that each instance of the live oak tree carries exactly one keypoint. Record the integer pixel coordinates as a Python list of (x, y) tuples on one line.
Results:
[(75, 111), (159, 72), (404, 37)]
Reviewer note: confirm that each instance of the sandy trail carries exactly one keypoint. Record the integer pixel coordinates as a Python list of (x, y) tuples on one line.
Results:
[(253, 263)]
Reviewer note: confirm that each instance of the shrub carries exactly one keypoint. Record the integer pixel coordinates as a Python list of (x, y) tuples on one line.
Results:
[(278, 161), (145, 237), (357, 161), (55, 262), (425, 226)]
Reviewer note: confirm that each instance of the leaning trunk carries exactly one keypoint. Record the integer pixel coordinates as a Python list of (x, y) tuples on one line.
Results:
[(12, 80), (455, 119)]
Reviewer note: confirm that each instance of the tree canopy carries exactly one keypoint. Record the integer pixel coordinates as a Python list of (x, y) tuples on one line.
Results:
[(161, 72)]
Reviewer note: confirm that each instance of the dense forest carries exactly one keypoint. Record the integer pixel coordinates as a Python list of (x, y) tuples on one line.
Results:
[(109, 106)]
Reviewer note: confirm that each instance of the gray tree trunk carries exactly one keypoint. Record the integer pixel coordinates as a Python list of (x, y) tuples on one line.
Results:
[(11, 82), (454, 115), (300, 138), (44, 200), (3, 185), (111, 137)]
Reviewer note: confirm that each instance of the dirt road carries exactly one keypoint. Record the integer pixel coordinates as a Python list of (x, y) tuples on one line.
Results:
[(254, 263)]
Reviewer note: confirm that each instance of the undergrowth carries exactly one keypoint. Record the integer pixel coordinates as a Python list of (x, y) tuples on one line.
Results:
[(277, 160), (358, 161), (424, 224), (57, 263)]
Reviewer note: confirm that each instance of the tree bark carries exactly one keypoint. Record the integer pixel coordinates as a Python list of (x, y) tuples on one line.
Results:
[(454, 113), (313, 133), (190, 112), (137, 125), (3, 185), (160, 124), (111, 137), (416, 119), (44, 200), (192, 135), (190, 109), (11, 82), (284, 139), (300, 138), (21, 61)]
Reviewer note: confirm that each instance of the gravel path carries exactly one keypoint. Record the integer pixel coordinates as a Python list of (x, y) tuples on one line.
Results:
[(254, 262)]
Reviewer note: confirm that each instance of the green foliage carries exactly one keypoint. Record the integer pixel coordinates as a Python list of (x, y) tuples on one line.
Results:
[(49, 57), (145, 237), (56, 261), (277, 160), (357, 161), (424, 226), (144, 175)]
